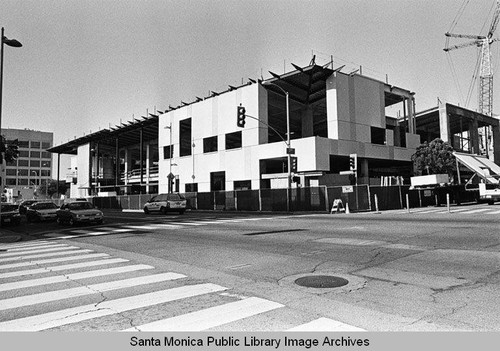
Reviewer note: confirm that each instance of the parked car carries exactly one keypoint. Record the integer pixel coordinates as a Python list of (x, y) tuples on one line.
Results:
[(10, 214), (23, 206), (42, 211), (79, 212), (164, 203)]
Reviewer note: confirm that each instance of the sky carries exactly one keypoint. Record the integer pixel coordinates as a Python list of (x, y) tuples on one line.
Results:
[(90, 64)]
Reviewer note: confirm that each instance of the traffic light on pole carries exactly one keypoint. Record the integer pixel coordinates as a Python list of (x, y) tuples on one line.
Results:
[(293, 164), (353, 161), (241, 117)]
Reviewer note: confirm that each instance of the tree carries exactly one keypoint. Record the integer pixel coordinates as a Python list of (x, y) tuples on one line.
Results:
[(49, 187), (8, 150), (435, 157)]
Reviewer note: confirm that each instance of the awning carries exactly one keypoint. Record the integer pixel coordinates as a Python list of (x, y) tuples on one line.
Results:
[(481, 165)]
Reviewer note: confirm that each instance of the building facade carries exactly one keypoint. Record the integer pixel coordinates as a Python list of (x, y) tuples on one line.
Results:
[(198, 146), (34, 163)]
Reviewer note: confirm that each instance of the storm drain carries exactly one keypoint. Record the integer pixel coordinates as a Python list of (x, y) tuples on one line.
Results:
[(321, 281)]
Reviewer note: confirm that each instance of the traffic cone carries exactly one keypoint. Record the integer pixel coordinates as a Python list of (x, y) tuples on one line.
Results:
[(347, 208)]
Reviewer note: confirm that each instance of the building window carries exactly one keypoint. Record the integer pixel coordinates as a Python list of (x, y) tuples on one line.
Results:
[(45, 145), (35, 154), (243, 185), (23, 153), (11, 172), (46, 164), (22, 172), (22, 163), (46, 154), (22, 181), (10, 181), (191, 188), (378, 135), (34, 163), (45, 173), (35, 144), (185, 137), (168, 152), (24, 144), (233, 140), (210, 144)]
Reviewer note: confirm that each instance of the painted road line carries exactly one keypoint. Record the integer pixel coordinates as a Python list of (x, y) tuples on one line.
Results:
[(32, 253), (54, 260), (62, 267), (33, 248), (211, 317), (106, 308), (429, 211), (325, 325), (455, 210), (22, 245), (144, 227), (50, 254), (494, 212), (166, 226), (75, 276), (476, 211), (29, 300), (186, 223)]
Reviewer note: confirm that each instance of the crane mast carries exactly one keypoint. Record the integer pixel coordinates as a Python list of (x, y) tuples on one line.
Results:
[(485, 90)]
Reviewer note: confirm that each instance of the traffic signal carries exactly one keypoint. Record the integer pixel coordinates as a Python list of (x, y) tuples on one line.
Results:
[(293, 164), (241, 117), (353, 161)]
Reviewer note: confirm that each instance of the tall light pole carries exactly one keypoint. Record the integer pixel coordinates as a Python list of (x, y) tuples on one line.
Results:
[(288, 151), (16, 44)]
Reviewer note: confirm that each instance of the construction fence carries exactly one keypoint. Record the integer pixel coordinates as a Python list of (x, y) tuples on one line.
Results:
[(313, 199)]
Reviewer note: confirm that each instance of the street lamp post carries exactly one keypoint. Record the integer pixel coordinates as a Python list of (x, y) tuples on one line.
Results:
[(289, 156), (16, 44)]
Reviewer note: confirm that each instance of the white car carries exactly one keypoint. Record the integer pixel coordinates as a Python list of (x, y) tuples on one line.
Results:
[(164, 203)]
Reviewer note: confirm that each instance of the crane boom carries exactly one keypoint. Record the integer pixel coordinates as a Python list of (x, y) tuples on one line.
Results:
[(467, 36), (494, 22), (464, 45)]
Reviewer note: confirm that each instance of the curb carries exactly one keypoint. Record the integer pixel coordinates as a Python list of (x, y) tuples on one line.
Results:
[(10, 239)]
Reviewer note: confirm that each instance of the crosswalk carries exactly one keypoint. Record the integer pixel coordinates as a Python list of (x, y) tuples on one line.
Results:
[(116, 229), (40, 290), (488, 211)]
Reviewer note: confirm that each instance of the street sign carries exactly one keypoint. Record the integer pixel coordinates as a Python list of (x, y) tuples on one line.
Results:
[(290, 151), (346, 172), (347, 189)]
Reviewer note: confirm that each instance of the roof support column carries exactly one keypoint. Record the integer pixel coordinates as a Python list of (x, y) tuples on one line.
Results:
[(117, 164), (474, 136), (58, 172), (496, 142), (411, 114), (90, 168), (96, 160)]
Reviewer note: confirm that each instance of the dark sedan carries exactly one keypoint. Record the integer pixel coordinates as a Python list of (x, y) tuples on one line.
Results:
[(79, 212), (42, 211), (10, 214)]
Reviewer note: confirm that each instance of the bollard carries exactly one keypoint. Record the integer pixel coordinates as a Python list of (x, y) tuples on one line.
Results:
[(408, 202), (376, 204), (448, 202)]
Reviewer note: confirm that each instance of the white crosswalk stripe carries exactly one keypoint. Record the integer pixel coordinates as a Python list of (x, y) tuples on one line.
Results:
[(211, 317), (69, 251), (54, 260), (75, 276), (324, 325), (34, 253)]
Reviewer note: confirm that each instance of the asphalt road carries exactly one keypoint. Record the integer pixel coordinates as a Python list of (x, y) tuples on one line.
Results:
[(419, 271)]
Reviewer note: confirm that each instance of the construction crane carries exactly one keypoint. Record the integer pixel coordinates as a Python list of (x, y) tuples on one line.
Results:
[(485, 91)]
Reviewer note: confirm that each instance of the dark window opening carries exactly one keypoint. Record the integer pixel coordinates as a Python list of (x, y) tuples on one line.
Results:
[(242, 185), (210, 144), (378, 135), (217, 181), (233, 140), (185, 137), (168, 152)]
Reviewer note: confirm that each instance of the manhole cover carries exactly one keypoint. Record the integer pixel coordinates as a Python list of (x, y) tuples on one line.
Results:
[(321, 281)]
